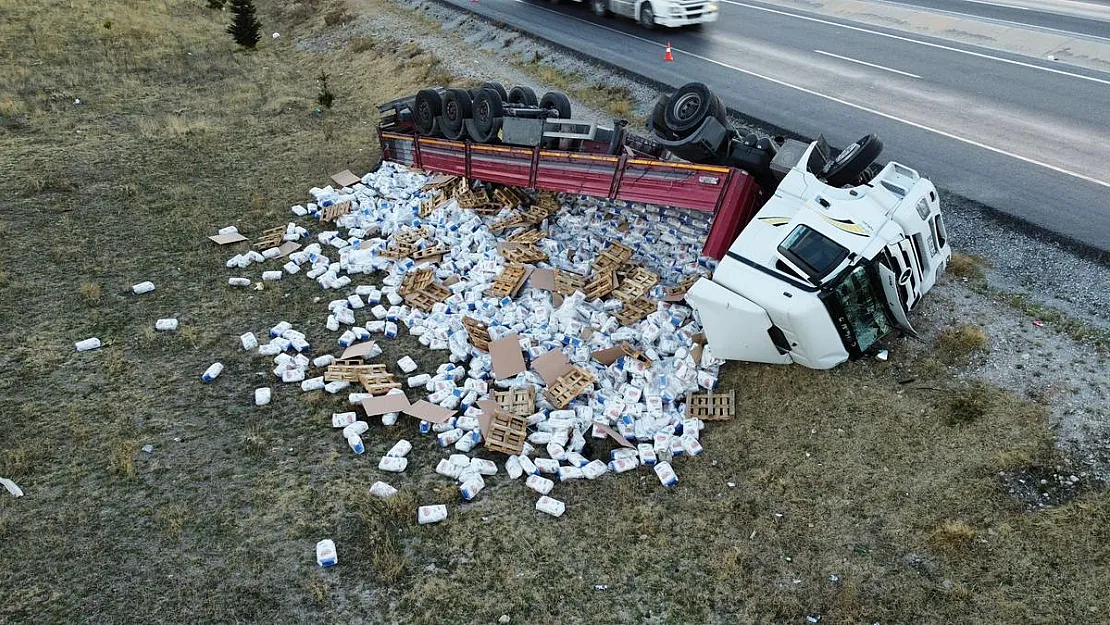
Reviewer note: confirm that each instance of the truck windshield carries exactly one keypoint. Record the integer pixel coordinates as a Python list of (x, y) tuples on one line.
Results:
[(812, 252), (861, 308)]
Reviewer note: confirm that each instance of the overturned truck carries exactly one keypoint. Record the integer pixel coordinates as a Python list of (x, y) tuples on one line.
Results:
[(820, 257)]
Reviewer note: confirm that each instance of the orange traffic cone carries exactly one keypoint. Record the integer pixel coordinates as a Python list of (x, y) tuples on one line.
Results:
[(667, 56)]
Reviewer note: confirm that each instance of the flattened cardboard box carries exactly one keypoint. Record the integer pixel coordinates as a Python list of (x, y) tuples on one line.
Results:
[(346, 179), (489, 408), (427, 411), (551, 365), (225, 239), (288, 248), (358, 350), (395, 402), (508, 358), (542, 279)]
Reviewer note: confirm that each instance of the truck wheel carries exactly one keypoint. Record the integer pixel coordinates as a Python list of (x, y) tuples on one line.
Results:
[(689, 107), (496, 86), (556, 101), (488, 114), (427, 107), (601, 8), (658, 123), (852, 161), (523, 96), (647, 16), (457, 107)]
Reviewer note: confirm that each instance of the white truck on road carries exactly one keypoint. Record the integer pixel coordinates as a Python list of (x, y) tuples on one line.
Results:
[(652, 13)]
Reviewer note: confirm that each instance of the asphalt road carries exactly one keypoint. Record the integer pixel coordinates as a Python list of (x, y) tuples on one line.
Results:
[(1028, 137), (1021, 15)]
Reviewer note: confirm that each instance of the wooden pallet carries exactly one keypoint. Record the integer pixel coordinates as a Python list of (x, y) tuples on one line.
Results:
[(411, 236), (398, 251), (711, 407), (510, 198), (507, 433), (427, 206), (378, 383), (439, 249), (634, 311), (448, 182), (567, 282), (478, 333), (527, 237), (470, 199), (427, 297), (612, 258), (511, 221), (506, 283), (270, 238), (517, 401), (459, 188), (351, 372), (679, 290), (335, 211), (416, 281), (636, 285), (524, 254), (568, 386), (487, 209), (548, 201), (600, 285), (635, 354)]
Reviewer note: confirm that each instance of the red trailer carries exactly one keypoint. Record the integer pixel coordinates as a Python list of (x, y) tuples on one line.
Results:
[(732, 195)]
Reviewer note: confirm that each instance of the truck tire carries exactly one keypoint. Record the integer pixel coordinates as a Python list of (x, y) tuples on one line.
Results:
[(556, 101), (523, 96), (852, 161), (426, 108), (488, 113), (457, 107), (496, 86), (689, 107), (601, 7), (658, 123), (647, 16)]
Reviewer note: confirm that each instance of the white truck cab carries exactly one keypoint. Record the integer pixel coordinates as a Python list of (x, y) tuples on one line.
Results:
[(822, 273), (652, 13)]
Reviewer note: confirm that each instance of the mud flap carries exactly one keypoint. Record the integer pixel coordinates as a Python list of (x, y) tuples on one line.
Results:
[(735, 327)]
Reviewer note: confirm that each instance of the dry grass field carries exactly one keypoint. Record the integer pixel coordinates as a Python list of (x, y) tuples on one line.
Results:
[(132, 129)]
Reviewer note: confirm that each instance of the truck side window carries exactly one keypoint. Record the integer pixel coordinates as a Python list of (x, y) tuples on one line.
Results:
[(812, 252)]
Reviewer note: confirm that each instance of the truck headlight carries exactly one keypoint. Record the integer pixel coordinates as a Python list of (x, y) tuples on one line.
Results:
[(711, 7), (677, 11)]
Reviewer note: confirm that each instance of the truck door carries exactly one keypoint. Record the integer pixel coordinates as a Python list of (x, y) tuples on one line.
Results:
[(736, 327)]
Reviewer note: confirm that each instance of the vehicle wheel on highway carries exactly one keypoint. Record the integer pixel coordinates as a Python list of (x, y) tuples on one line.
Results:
[(689, 107), (853, 161), (556, 101), (601, 7), (488, 113), (457, 107), (647, 16), (523, 95), (496, 86), (427, 107)]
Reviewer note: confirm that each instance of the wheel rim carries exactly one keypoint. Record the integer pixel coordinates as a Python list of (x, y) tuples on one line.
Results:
[(687, 106), (424, 114), (482, 117), (646, 16)]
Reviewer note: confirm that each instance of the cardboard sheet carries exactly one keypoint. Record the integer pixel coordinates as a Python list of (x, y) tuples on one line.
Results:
[(395, 402), (288, 248), (427, 411), (551, 365), (346, 179), (613, 434), (489, 408), (225, 239), (358, 350), (608, 356), (508, 358), (543, 279)]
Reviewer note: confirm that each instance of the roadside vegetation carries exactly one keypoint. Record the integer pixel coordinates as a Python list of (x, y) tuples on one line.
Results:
[(133, 129)]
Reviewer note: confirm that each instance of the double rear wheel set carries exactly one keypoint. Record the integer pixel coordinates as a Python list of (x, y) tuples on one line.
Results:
[(444, 112)]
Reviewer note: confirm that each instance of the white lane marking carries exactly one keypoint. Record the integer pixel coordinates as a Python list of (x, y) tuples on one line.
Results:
[(858, 107), (999, 4), (851, 60), (995, 20), (917, 41)]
